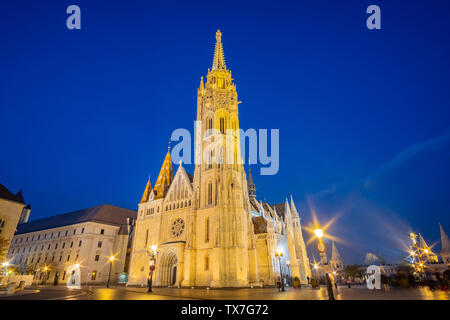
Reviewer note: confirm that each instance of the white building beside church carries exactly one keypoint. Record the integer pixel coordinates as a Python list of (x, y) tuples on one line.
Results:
[(86, 237)]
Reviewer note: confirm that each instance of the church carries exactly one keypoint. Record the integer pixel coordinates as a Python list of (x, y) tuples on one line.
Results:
[(209, 228)]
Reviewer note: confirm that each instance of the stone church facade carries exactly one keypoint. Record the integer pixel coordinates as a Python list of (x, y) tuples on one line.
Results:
[(209, 227)]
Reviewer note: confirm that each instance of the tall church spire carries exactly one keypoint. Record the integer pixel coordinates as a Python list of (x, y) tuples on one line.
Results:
[(219, 58), (294, 211)]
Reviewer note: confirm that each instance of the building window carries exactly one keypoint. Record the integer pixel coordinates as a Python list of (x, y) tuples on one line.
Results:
[(102, 231), (82, 230), (207, 230), (209, 193), (79, 243), (71, 244), (94, 275), (97, 257), (64, 244), (146, 238), (75, 231), (68, 257), (60, 258), (64, 275), (222, 125), (206, 262), (48, 247), (99, 244), (67, 232)]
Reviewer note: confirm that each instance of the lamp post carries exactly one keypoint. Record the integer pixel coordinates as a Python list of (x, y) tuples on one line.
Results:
[(45, 269), (152, 252), (279, 254), (321, 247), (111, 261)]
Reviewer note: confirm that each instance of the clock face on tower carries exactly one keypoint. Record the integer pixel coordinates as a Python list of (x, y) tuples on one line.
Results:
[(177, 227)]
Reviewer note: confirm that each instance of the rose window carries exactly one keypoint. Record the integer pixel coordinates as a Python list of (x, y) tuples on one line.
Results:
[(177, 227)]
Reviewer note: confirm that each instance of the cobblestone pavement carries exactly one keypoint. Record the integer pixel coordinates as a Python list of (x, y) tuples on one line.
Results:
[(343, 293), (133, 293)]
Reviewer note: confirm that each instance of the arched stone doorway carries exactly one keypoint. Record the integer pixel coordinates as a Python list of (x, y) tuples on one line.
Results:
[(168, 269)]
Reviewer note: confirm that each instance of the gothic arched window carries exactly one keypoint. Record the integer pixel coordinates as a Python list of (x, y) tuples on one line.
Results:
[(207, 229), (210, 193), (206, 262), (222, 125)]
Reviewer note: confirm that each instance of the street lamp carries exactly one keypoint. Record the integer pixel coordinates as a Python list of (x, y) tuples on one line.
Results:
[(111, 261), (279, 254), (319, 233), (152, 252), (321, 247), (45, 269)]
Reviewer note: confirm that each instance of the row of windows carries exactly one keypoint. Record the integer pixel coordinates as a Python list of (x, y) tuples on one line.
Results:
[(222, 125), (53, 234), (97, 257), (99, 245), (178, 205)]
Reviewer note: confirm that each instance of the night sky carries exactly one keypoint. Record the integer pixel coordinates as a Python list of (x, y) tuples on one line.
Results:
[(364, 115)]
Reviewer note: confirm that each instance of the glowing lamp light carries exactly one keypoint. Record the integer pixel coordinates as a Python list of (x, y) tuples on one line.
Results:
[(279, 252), (154, 247), (318, 233), (5, 264), (316, 266), (112, 258), (426, 251), (77, 265)]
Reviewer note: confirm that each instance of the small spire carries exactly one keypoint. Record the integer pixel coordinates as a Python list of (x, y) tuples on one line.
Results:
[(202, 85), (168, 148), (148, 189), (251, 185)]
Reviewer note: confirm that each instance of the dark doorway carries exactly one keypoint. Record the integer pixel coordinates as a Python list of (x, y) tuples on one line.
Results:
[(174, 275)]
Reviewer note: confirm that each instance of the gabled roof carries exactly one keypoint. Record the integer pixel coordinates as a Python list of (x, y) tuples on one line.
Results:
[(8, 195), (254, 204), (280, 209), (107, 214)]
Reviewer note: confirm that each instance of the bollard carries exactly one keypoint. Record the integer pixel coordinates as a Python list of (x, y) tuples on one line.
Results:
[(11, 288)]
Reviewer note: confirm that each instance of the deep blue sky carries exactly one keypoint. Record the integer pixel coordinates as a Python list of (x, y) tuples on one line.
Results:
[(364, 115)]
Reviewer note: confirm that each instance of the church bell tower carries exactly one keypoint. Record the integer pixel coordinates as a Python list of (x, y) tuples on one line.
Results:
[(220, 196)]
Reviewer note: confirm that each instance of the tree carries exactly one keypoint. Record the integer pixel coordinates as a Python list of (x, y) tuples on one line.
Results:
[(352, 271), (370, 258)]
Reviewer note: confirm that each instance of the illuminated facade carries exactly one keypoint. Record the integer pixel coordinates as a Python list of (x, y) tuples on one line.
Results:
[(209, 227)]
